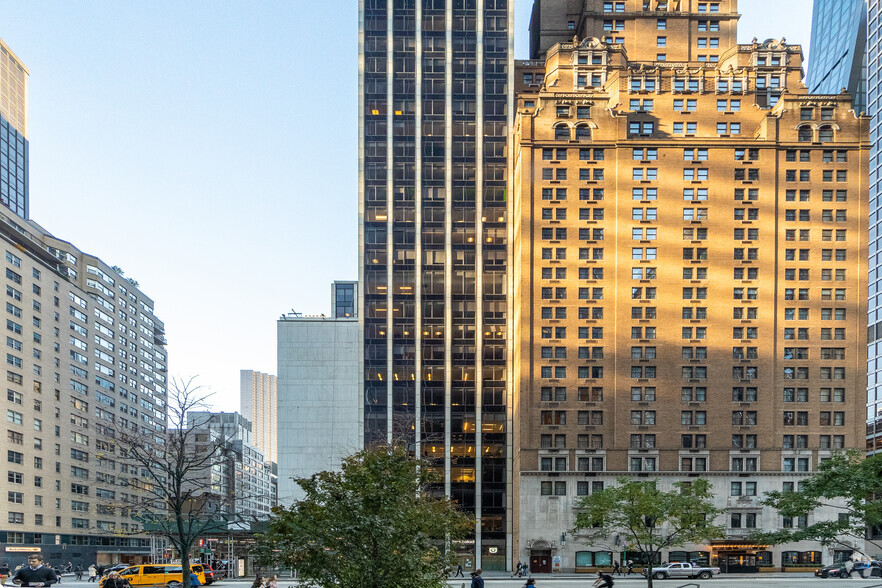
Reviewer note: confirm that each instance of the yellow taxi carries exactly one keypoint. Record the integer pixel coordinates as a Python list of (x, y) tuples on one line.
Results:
[(170, 575)]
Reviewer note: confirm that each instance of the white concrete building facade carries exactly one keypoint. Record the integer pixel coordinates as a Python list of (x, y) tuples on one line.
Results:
[(319, 419)]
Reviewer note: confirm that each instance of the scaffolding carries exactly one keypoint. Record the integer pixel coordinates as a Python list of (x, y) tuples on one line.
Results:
[(222, 551)]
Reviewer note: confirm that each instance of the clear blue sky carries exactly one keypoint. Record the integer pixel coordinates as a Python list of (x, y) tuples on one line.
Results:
[(210, 150)]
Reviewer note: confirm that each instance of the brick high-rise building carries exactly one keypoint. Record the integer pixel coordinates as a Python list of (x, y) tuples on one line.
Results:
[(690, 274)]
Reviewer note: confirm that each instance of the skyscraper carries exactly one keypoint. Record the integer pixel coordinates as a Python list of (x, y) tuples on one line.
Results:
[(13, 132), (258, 398), (874, 339), (435, 89), (839, 49), (690, 243)]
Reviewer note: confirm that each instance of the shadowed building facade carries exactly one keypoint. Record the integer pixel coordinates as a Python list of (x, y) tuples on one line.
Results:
[(690, 245), (839, 49), (874, 364), (434, 95)]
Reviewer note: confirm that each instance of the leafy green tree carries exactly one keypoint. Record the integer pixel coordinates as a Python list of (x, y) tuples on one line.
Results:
[(374, 524), (849, 486), (649, 518)]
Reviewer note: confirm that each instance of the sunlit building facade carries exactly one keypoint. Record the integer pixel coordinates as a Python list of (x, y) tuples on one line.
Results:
[(258, 399), (13, 132), (690, 245), (85, 362), (435, 91)]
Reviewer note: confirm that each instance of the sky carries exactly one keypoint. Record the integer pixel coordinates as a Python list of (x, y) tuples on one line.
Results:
[(210, 150)]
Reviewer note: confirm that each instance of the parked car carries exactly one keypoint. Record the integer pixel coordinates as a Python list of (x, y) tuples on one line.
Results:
[(831, 571), (683, 570)]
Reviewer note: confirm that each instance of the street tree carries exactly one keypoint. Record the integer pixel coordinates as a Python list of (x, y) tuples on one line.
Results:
[(170, 475), (648, 518), (377, 523), (848, 488)]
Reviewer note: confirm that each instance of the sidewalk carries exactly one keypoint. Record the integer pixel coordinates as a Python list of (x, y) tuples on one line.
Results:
[(494, 575)]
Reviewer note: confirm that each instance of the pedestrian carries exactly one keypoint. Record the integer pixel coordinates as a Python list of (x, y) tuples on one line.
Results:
[(194, 579), (617, 569), (79, 572), (258, 581), (459, 573), (603, 581), (4, 572), (477, 580), (525, 570), (273, 582), (114, 580), (531, 583), (35, 574), (517, 571), (93, 572), (100, 568), (630, 567), (58, 572)]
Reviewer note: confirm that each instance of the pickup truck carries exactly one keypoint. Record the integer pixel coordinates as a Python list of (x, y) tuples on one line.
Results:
[(683, 570)]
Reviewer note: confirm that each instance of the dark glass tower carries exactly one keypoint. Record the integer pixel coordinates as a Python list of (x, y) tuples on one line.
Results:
[(435, 110), (839, 49), (13, 132)]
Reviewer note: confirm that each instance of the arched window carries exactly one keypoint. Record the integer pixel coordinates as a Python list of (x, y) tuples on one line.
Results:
[(825, 134), (562, 133), (583, 133), (805, 134)]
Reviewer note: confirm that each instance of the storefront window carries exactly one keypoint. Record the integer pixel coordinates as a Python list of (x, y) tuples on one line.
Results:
[(584, 559)]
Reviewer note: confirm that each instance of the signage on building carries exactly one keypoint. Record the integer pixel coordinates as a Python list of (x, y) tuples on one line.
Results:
[(23, 549)]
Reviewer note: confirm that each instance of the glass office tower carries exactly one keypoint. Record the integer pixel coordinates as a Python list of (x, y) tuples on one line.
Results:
[(13, 132), (839, 49), (435, 109), (874, 335)]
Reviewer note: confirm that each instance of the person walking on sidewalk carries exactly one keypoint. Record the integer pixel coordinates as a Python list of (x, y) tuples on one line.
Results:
[(35, 573), (630, 567), (477, 580), (459, 573)]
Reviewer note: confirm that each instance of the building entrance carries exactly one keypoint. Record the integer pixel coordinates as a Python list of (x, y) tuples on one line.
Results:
[(540, 561), (738, 562)]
